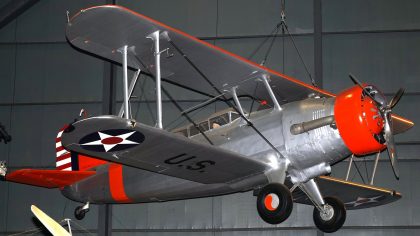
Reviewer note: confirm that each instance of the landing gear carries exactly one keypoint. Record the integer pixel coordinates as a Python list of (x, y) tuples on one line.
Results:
[(274, 203), (332, 217), (329, 213), (81, 211)]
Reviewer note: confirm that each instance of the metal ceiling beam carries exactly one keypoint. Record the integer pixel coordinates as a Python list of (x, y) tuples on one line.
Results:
[(318, 43), (13, 9)]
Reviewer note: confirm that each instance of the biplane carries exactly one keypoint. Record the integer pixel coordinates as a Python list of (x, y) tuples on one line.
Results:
[(283, 151)]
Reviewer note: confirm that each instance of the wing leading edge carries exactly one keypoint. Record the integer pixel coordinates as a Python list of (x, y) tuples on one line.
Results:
[(103, 30)]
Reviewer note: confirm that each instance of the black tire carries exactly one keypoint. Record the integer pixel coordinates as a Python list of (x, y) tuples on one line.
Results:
[(282, 210), (79, 213), (337, 220)]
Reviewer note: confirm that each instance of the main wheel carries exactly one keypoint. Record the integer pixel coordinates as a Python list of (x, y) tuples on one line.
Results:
[(333, 218), (274, 203), (79, 213)]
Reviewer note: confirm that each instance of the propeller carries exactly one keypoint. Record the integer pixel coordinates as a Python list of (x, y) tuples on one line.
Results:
[(385, 110), (53, 226)]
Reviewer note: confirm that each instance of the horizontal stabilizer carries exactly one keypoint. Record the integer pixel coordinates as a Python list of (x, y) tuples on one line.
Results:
[(48, 178), (354, 195)]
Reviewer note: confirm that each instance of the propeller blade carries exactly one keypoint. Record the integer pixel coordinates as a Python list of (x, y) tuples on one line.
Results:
[(55, 228), (356, 81), (396, 98), (390, 145)]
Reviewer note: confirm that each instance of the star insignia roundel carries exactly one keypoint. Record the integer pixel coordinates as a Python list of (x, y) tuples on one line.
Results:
[(111, 140)]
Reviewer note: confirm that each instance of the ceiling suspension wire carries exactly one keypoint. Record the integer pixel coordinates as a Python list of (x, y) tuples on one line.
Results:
[(285, 32), (273, 32)]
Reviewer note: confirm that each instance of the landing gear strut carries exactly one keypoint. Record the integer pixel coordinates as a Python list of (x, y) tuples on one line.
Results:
[(274, 203), (333, 216), (329, 213), (81, 211)]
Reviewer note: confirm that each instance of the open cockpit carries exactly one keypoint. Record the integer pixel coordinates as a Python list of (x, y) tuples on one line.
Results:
[(215, 121)]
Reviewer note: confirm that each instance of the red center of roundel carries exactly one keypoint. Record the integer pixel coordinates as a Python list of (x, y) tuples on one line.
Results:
[(271, 202), (112, 140)]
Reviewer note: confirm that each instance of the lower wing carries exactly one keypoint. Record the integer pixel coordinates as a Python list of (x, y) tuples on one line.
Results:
[(354, 195)]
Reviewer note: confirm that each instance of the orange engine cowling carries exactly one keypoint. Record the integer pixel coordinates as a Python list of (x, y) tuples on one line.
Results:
[(359, 121)]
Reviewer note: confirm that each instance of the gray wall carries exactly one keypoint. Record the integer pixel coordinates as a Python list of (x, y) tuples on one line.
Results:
[(44, 83)]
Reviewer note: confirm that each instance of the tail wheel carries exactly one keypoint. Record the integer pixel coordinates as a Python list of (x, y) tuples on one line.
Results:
[(80, 213), (274, 203), (334, 216)]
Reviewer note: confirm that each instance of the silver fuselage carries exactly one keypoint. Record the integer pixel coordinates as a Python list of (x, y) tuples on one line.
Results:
[(304, 156)]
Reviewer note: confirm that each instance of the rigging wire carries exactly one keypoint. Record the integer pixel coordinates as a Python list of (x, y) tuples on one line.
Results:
[(253, 100), (367, 173), (178, 106), (200, 129), (249, 123), (360, 173)]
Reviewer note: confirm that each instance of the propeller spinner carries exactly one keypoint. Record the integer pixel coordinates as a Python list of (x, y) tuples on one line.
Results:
[(385, 111)]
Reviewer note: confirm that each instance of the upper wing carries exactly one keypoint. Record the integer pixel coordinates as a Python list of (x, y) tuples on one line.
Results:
[(47, 178), (119, 140), (354, 195), (103, 30)]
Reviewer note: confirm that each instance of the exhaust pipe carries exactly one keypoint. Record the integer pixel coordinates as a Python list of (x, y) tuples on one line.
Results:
[(313, 124)]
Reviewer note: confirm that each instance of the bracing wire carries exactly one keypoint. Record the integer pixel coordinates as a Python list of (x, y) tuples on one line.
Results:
[(360, 173), (179, 107), (203, 76)]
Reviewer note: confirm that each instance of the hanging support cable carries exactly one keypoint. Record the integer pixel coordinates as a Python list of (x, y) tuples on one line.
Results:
[(270, 46), (249, 123), (273, 35), (285, 28)]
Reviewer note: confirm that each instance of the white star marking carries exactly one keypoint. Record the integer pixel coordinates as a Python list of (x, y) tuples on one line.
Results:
[(362, 200), (108, 147)]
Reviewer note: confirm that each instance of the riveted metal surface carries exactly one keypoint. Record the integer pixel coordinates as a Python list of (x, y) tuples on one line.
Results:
[(308, 149)]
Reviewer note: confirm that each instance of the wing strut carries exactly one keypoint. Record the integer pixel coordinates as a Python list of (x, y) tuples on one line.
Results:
[(264, 78), (236, 99), (155, 37), (374, 168), (249, 123), (130, 90), (125, 82)]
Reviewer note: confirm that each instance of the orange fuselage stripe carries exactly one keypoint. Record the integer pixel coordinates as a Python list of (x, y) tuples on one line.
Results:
[(116, 184)]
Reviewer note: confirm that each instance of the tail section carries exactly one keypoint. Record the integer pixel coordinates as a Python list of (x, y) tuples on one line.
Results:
[(72, 161), (63, 160)]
